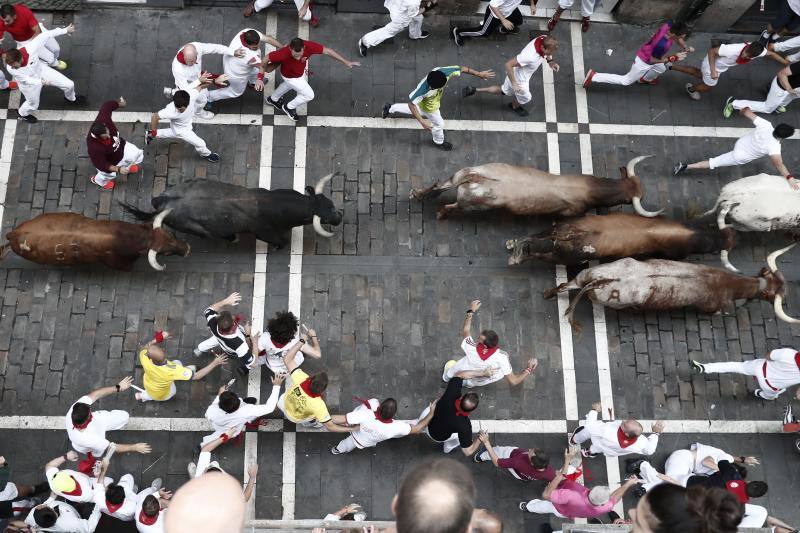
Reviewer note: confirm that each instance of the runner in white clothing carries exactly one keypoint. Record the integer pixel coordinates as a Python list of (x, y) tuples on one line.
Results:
[(31, 73), (785, 88), (230, 411), (303, 10), (243, 70), (180, 113), (376, 424), (151, 506), (786, 46), (614, 438), (402, 14), (520, 69), (59, 517), (763, 140), (187, 69), (587, 9), (281, 335), (774, 374), (69, 484), (484, 355)]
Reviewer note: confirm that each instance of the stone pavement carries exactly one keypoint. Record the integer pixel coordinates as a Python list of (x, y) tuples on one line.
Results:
[(387, 293)]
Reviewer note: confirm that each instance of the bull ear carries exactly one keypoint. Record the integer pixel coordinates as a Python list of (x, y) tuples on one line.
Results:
[(310, 190)]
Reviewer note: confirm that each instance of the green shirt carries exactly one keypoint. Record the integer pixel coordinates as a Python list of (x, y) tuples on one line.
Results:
[(427, 99)]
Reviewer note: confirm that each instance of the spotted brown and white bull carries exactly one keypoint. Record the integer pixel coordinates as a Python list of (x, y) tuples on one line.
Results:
[(532, 192), (579, 240), (660, 284), (73, 239)]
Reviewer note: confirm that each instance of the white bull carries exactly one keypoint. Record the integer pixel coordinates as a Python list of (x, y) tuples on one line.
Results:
[(758, 203)]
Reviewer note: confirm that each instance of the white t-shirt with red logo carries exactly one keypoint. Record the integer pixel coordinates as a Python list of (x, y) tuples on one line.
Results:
[(472, 360), (373, 431), (143, 524), (783, 370)]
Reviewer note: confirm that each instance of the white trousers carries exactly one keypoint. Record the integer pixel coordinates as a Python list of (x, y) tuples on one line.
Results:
[(261, 4), (235, 88), (523, 96), (728, 159), (131, 155), (49, 52), (300, 85), (754, 367), (188, 135), (502, 452), (754, 516), (587, 6), (789, 44), (32, 92), (396, 24), (145, 397), (436, 119), (542, 507), (776, 98), (640, 69), (347, 445)]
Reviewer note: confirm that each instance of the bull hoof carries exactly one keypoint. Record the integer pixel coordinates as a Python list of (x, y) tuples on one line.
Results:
[(510, 244), (550, 293)]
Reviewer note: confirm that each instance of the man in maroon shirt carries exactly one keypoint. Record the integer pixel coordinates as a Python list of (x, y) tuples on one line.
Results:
[(526, 465), (109, 152), (21, 23), (293, 60)]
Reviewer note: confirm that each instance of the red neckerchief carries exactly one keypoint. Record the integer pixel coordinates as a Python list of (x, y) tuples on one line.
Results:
[(376, 412), (76, 491), (459, 411), (740, 60), (147, 520), (306, 386), (241, 38), (537, 44), (483, 352), (106, 142), (83, 426), (86, 466), (623, 439), (25, 57), (113, 507), (279, 345), (180, 58), (737, 487), (797, 359)]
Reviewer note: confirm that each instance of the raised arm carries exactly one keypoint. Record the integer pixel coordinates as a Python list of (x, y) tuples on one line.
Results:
[(60, 460), (271, 41), (334, 54), (123, 385), (312, 347), (482, 74), (474, 305), (219, 360), (422, 424), (622, 489), (233, 299), (252, 472), (154, 118), (288, 357)]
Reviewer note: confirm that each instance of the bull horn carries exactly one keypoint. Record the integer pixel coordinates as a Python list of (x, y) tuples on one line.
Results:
[(631, 166), (773, 257), (641, 211), (151, 258), (159, 219), (721, 217), (780, 313), (321, 183), (319, 229), (723, 256)]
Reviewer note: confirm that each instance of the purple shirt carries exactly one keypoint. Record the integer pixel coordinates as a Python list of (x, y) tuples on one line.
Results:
[(572, 500), (520, 463), (657, 46)]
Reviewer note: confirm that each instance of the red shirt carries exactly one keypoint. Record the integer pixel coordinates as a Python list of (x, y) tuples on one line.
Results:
[(291, 67), (521, 465), (22, 27)]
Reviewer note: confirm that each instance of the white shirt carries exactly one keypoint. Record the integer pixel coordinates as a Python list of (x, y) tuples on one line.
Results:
[(472, 361), (186, 75), (604, 438), (701, 451), (795, 5), (241, 67), (727, 54), (245, 413), (372, 430), (69, 521), (529, 61), (273, 357), (31, 73), (506, 7), (127, 510), (757, 143), (158, 526), (84, 482), (90, 439), (782, 371), (180, 119), (402, 8)]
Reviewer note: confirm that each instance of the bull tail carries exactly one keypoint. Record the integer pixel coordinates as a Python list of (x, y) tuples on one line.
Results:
[(136, 212), (569, 313), (4, 249)]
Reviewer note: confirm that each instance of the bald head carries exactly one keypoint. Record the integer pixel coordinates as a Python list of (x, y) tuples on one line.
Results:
[(156, 354), (211, 503), (632, 428), (436, 497), (189, 54)]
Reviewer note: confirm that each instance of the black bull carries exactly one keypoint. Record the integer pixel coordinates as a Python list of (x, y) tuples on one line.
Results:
[(222, 210)]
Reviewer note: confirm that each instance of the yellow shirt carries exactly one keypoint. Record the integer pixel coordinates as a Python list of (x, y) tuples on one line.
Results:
[(159, 378), (300, 406)]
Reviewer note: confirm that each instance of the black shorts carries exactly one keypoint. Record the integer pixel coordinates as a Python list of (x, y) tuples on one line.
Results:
[(786, 18)]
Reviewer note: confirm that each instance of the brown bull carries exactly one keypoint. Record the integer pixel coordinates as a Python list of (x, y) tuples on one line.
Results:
[(619, 235), (72, 239), (532, 192)]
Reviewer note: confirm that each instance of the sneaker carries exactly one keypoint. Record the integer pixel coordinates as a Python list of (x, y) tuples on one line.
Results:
[(108, 186), (192, 469), (513, 31), (587, 81), (133, 169), (477, 456), (587, 454), (205, 115), (551, 24), (727, 111), (760, 394), (788, 416), (30, 119), (61, 65), (208, 107), (447, 367), (638, 491), (780, 109), (520, 111), (335, 451), (213, 157), (277, 105), (459, 41), (633, 466), (679, 168), (197, 353), (157, 484), (571, 437), (446, 146), (585, 24), (168, 92), (424, 35), (291, 113), (385, 110), (79, 99), (468, 91), (764, 38), (11, 86), (697, 368), (523, 506), (362, 49), (648, 82), (694, 95)]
